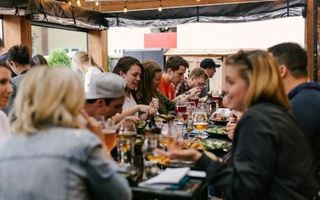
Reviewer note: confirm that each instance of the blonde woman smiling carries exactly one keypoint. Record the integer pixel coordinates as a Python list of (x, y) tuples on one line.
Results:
[(270, 157)]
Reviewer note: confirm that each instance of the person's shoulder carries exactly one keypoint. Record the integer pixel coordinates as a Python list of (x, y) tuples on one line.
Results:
[(94, 70), (77, 136), (263, 110)]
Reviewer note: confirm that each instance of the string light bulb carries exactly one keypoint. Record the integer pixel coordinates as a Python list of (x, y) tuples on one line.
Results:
[(125, 6), (160, 6), (78, 3), (198, 0), (69, 3), (97, 3)]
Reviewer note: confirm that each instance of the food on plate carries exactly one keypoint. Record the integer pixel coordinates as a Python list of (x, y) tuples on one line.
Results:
[(221, 115), (160, 159), (216, 144), (216, 130), (206, 144)]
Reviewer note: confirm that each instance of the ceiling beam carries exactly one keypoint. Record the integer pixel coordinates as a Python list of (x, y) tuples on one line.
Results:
[(118, 5)]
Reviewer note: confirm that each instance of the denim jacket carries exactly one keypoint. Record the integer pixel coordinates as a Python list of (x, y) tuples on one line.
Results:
[(58, 164)]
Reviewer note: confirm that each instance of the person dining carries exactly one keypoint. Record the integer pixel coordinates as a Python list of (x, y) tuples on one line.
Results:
[(270, 156), (173, 74), (131, 70), (148, 88), (83, 62), (51, 154), (5, 91), (194, 84), (304, 95)]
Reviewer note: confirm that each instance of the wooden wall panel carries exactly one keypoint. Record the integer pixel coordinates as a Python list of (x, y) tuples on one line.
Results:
[(97, 47), (17, 30)]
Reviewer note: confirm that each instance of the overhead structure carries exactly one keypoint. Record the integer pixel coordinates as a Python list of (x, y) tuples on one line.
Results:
[(223, 13), (95, 16), (54, 12)]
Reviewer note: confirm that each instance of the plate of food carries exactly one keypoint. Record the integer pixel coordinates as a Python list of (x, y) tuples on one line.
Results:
[(164, 161), (217, 131), (221, 130), (208, 144), (221, 116)]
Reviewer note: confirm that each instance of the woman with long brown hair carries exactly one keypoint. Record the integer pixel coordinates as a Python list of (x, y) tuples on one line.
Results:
[(148, 87)]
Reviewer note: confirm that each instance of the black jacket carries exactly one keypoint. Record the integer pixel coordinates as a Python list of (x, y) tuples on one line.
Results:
[(270, 159), (305, 102)]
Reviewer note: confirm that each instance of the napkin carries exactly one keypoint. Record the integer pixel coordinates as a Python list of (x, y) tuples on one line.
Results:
[(169, 178)]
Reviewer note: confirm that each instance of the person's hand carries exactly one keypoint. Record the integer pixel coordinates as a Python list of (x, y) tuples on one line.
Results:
[(92, 124), (194, 92), (154, 103), (237, 114), (176, 152), (129, 120), (230, 129), (181, 154)]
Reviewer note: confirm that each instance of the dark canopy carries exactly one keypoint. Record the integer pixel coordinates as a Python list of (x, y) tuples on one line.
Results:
[(59, 12), (213, 13), (54, 12)]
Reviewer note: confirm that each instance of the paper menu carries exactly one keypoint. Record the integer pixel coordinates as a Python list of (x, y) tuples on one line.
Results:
[(168, 177)]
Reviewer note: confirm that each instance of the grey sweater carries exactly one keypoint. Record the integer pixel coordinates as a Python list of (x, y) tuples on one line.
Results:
[(58, 164)]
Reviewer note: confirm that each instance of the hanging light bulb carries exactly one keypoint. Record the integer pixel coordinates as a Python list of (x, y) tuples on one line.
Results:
[(78, 3), (198, 0), (125, 6), (97, 3), (69, 3), (160, 6)]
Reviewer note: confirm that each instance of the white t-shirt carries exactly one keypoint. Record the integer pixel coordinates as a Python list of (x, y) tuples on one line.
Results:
[(4, 125), (91, 71), (129, 102)]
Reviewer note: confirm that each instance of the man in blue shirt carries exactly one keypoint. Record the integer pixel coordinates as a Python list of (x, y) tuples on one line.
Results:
[(303, 94)]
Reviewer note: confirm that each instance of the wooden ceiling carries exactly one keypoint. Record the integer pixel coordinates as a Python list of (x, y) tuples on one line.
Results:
[(118, 5)]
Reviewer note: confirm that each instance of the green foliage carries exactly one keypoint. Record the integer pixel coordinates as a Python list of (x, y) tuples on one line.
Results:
[(59, 57)]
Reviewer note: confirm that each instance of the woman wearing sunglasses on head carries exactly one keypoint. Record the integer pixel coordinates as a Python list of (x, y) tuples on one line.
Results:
[(270, 157)]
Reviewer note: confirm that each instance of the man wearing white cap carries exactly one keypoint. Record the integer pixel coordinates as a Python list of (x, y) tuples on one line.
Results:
[(105, 95)]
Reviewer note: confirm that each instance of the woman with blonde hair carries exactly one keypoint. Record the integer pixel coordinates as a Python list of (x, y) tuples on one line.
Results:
[(51, 154), (86, 65), (270, 157)]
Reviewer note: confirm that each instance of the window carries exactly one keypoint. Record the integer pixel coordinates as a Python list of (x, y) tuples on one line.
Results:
[(45, 40)]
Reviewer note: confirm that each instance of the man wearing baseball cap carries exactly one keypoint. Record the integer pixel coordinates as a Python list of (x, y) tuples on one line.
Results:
[(105, 95), (209, 66)]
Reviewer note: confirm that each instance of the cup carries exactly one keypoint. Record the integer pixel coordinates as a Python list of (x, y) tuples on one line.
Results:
[(109, 134)]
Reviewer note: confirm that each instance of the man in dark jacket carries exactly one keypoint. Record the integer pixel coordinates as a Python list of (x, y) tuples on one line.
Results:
[(304, 95), (209, 66)]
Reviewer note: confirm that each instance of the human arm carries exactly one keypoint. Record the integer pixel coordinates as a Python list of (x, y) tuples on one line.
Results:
[(165, 105), (253, 160), (131, 111)]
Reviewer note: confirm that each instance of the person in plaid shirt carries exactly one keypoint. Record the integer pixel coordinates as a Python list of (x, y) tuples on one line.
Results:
[(196, 81)]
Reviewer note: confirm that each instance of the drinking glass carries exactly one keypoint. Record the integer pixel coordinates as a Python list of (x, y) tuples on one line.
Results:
[(109, 134), (200, 122), (125, 144)]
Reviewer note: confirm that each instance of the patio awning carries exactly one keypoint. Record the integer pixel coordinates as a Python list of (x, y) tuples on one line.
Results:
[(212, 13)]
